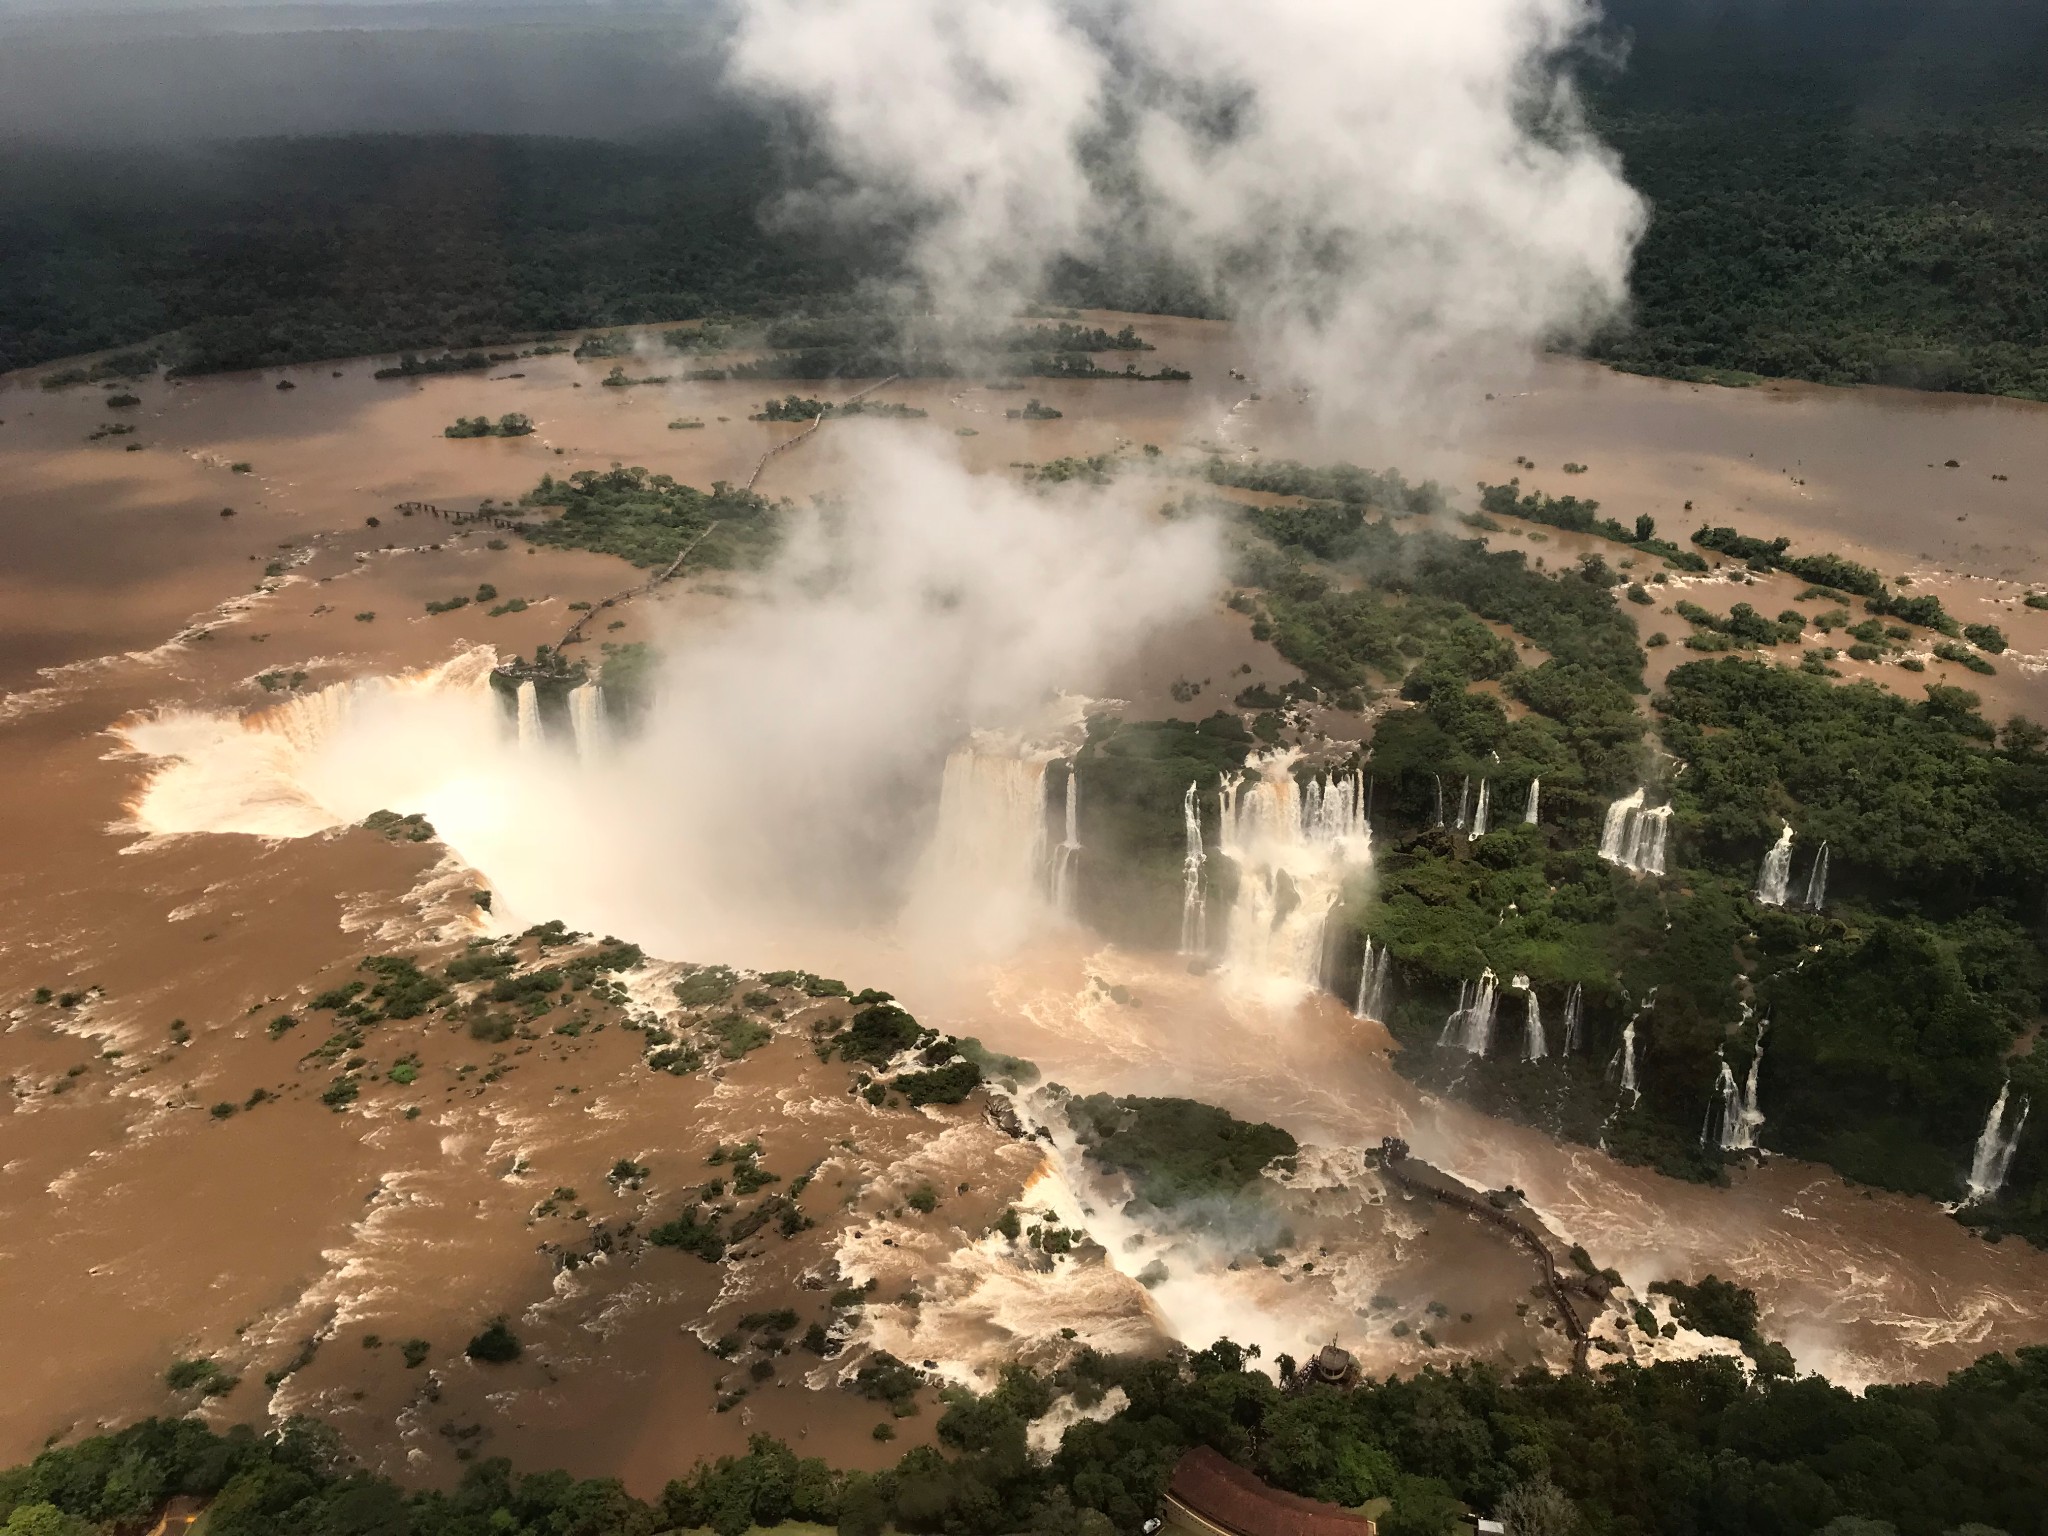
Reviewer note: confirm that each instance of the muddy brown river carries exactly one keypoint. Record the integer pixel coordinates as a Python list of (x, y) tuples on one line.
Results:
[(140, 1228)]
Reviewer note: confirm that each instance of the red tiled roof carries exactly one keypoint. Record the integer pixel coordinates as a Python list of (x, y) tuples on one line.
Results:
[(1221, 1491)]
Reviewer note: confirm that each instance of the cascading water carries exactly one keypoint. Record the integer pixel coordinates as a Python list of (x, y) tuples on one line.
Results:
[(1739, 1134), (1628, 1062), (1633, 836), (1194, 901), (1774, 880), (1625, 1058), (1464, 803), (1372, 984), (1294, 846), (1614, 830), (1470, 1026), (1529, 807), (1534, 1047), (1817, 882), (1437, 779), (982, 880), (1992, 1160), (1724, 1111), (529, 716), (1574, 1019), (586, 719), (1066, 856), (1646, 849), (1480, 813)]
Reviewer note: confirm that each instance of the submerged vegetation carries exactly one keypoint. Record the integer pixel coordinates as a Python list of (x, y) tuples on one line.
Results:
[(651, 520), (511, 424)]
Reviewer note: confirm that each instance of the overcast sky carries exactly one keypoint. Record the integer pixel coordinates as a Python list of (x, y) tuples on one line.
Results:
[(100, 71)]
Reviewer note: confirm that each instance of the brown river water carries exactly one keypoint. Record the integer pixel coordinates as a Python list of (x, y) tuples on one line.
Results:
[(139, 1228)]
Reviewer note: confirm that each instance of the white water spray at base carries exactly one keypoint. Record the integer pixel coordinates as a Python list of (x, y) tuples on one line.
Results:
[(1294, 846), (1992, 1160)]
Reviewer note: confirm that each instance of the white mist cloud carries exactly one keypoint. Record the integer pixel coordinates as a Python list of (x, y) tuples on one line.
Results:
[(1389, 196), (784, 783)]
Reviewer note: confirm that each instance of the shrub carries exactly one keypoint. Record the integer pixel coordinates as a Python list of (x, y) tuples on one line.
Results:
[(496, 1345)]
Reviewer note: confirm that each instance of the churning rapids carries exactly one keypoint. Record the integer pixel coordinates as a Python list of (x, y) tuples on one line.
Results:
[(1863, 1286)]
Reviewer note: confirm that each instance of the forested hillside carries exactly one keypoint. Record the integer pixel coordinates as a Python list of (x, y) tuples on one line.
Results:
[(1691, 1449), (1849, 193), (1841, 191)]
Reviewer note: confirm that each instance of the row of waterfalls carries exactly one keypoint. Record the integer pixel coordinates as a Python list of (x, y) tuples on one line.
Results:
[(1009, 831), (1475, 819), (564, 711), (1011, 820), (1635, 833), (1470, 1025), (1774, 880)]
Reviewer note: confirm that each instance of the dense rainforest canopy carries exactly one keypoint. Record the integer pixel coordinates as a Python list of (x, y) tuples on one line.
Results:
[(1842, 191), (1691, 1449)]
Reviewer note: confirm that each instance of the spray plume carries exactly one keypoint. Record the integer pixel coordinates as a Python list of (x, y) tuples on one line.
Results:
[(1388, 198)]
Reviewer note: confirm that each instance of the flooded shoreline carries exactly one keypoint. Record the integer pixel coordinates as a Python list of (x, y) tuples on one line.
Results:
[(129, 598)]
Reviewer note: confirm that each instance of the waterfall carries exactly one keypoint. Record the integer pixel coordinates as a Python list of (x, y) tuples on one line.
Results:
[(1372, 984), (1535, 798), (1633, 837), (529, 716), (1194, 903), (1646, 847), (1453, 1028), (1616, 826), (982, 879), (1470, 1026), (1995, 1146), (1294, 845), (1774, 880), (1464, 802), (1065, 855), (1534, 1047), (1485, 804), (1722, 1111), (1817, 882), (586, 719), (1625, 1058), (1437, 779), (1574, 1019), (1739, 1135)]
